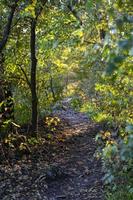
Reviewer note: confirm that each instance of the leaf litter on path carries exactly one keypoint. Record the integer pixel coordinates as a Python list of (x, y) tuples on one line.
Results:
[(66, 170)]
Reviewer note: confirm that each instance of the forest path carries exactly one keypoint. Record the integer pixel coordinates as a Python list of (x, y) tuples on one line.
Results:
[(81, 176), (78, 160)]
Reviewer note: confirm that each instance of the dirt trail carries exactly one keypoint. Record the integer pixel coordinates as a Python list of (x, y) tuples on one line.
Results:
[(78, 160), (83, 176)]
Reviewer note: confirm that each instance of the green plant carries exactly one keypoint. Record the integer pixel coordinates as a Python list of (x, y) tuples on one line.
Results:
[(76, 103), (52, 123), (117, 158), (121, 193)]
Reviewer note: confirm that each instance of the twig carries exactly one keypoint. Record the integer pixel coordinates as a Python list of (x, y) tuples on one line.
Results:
[(74, 12), (25, 75)]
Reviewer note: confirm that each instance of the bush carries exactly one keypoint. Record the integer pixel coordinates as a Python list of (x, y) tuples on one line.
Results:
[(117, 156)]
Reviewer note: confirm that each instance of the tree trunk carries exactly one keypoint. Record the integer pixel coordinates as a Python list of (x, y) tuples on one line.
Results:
[(34, 116), (7, 28), (33, 77), (5, 92), (4, 37), (2, 93)]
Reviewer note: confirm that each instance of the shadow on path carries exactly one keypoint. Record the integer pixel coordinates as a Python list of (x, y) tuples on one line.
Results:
[(75, 156)]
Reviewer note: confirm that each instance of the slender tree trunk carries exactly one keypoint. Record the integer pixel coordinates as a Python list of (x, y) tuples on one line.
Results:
[(7, 28), (33, 77), (34, 116), (4, 37), (5, 92), (52, 89), (2, 92)]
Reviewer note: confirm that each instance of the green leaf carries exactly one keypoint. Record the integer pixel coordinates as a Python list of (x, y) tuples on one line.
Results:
[(111, 68), (124, 44), (129, 128), (118, 59)]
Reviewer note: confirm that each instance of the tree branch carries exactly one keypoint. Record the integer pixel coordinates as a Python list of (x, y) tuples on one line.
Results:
[(25, 75), (74, 12), (8, 26), (39, 10)]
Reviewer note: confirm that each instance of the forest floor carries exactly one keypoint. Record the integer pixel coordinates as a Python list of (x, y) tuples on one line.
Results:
[(64, 169)]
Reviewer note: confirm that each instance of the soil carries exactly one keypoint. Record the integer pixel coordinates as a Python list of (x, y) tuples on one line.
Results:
[(64, 169)]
